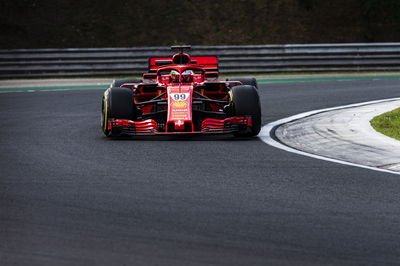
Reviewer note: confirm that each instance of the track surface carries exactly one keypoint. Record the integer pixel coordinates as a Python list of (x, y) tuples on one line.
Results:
[(69, 196)]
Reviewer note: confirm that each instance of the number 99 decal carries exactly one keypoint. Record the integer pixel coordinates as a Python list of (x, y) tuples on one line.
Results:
[(179, 96)]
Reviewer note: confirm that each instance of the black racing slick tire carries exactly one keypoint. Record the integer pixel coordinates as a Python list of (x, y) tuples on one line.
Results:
[(117, 103), (245, 101), (245, 81), (120, 82)]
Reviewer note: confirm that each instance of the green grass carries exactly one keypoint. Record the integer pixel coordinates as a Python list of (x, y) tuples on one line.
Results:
[(388, 123)]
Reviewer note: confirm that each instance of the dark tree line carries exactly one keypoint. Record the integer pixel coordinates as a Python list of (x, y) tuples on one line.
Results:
[(125, 23)]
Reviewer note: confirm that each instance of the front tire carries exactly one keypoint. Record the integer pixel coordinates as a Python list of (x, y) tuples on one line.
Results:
[(117, 104), (245, 101)]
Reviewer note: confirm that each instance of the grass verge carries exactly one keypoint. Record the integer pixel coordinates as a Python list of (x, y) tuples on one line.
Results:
[(388, 123)]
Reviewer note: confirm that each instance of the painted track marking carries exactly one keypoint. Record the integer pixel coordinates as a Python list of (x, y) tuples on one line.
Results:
[(267, 135)]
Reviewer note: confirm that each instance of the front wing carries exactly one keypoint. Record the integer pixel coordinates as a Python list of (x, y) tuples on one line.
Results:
[(208, 126)]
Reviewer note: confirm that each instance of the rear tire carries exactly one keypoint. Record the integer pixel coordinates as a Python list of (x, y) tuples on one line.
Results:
[(246, 81), (246, 102), (117, 104), (119, 82)]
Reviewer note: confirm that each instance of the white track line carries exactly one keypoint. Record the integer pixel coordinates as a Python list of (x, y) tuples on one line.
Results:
[(266, 135)]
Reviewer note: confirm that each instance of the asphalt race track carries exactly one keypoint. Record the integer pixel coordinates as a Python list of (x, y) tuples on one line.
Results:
[(69, 196)]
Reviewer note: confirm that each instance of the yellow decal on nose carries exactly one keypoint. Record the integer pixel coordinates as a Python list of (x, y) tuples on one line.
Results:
[(179, 104)]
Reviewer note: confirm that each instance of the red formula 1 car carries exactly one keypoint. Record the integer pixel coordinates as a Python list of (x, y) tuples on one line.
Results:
[(181, 95)]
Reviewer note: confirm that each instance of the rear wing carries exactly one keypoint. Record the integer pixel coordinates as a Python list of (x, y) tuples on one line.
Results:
[(209, 63)]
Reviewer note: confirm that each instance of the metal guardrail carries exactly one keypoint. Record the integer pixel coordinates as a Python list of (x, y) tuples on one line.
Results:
[(16, 63)]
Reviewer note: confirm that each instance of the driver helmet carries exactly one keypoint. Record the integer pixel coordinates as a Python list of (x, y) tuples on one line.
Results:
[(174, 76), (187, 76)]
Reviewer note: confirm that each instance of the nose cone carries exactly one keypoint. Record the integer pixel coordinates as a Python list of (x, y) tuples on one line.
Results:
[(179, 108)]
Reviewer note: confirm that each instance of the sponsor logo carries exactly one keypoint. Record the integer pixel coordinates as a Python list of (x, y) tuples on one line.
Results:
[(179, 104), (178, 116), (180, 110)]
